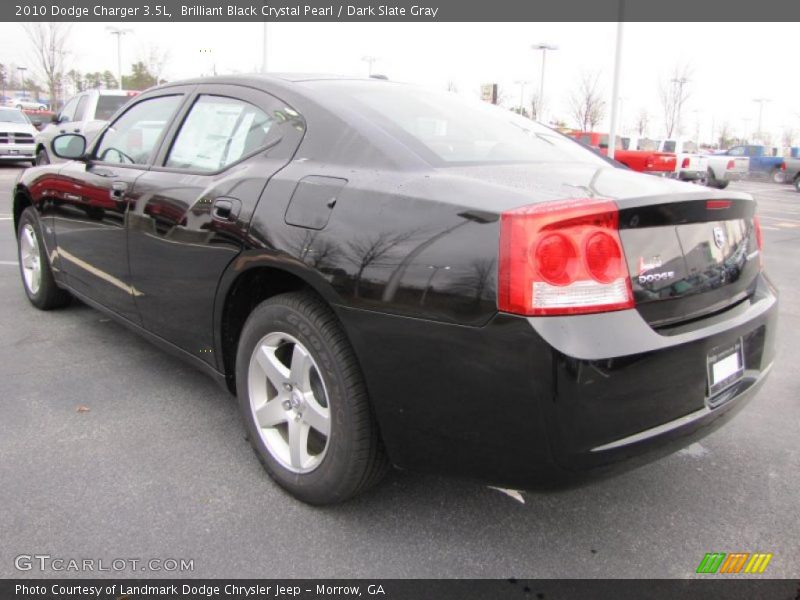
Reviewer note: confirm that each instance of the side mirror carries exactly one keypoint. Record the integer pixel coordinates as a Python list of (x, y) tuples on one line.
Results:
[(71, 146), (54, 118)]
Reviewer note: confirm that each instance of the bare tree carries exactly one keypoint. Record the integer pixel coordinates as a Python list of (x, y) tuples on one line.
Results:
[(451, 86), (586, 102), (642, 121), (154, 58), (725, 135), (367, 251), (673, 93), (788, 137), (50, 46), (536, 107)]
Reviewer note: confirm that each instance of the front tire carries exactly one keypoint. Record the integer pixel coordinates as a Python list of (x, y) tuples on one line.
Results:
[(42, 157), (304, 402), (37, 276), (797, 183)]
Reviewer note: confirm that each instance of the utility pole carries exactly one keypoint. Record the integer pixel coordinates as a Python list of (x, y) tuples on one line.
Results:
[(544, 48), (119, 32)]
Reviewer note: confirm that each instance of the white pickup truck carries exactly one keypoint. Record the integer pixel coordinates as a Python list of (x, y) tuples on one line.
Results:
[(85, 113), (722, 169), (689, 166)]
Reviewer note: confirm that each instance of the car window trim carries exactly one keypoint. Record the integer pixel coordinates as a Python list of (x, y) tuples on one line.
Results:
[(157, 147), (241, 93)]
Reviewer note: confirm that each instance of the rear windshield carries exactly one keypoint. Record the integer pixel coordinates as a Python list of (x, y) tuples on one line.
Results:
[(13, 116), (108, 105), (445, 128)]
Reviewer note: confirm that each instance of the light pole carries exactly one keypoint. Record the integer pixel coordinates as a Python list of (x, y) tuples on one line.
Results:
[(544, 48), (264, 49), (434, 270), (761, 102), (22, 79), (680, 82), (615, 109), (522, 85), (370, 60), (119, 32)]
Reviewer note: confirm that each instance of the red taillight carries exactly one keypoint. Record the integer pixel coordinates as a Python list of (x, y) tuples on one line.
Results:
[(562, 258), (685, 163), (731, 164), (783, 166), (759, 235), (718, 204)]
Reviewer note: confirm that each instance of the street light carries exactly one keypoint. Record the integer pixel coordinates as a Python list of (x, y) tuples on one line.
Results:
[(370, 60), (544, 48), (522, 85), (119, 32), (761, 102), (22, 77)]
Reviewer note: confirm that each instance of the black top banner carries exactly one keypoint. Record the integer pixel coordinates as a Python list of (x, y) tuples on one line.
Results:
[(400, 10)]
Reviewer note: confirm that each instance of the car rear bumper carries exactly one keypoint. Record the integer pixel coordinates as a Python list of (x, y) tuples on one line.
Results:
[(733, 176), (529, 402), (687, 175)]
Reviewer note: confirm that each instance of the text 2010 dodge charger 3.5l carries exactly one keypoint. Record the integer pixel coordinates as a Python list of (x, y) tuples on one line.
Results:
[(389, 275)]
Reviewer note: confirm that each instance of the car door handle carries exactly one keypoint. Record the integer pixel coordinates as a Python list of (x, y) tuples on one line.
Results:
[(225, 209), (118, 189)]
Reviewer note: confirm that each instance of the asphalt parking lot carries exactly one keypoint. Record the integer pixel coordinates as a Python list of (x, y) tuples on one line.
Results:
[(158, 467)]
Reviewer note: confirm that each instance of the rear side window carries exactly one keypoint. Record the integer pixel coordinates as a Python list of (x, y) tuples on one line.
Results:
[(132, 138), (108, 105), (669, 145), (217, 132)]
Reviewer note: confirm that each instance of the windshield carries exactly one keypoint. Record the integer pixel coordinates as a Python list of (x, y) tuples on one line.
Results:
[(445, 128), (13, 116), (107, 105)]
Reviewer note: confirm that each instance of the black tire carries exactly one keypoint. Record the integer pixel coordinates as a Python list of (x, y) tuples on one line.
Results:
[(712, 181), (42, 158), (721, 185), (48, 295), (354, 459), (797, 183), (777, 176)]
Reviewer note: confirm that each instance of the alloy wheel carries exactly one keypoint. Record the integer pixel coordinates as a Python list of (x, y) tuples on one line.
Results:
[(30, 259), (289, 402)]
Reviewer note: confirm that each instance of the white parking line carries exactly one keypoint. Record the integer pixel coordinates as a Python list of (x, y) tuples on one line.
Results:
[(9, 262)]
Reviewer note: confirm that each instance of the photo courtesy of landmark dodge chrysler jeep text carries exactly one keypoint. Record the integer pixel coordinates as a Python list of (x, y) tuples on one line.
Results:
[(385, 274)]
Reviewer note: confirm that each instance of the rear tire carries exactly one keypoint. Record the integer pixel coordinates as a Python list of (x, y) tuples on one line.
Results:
[(297, 378), (713, 182), (797, 183), (777, 176), (37, 276)]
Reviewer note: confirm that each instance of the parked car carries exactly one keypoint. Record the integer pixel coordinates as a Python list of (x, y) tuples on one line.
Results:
[(689, 164), (722, 169), (791, 171), (388, 274), (39, 118), (644, 161), (85, 113), (761, 163), (16, 136), (26, 103)]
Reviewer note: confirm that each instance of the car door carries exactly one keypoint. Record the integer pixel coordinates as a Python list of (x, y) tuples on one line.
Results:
[(191, 211), (89, 217)]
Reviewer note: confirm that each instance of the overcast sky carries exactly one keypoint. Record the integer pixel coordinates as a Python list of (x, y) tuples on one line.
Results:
[(731, 63)]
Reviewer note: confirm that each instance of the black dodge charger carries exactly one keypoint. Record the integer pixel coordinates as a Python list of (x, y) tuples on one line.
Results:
[(385, 274)]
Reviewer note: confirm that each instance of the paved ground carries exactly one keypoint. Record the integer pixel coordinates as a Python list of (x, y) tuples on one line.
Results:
[(159, 468)]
